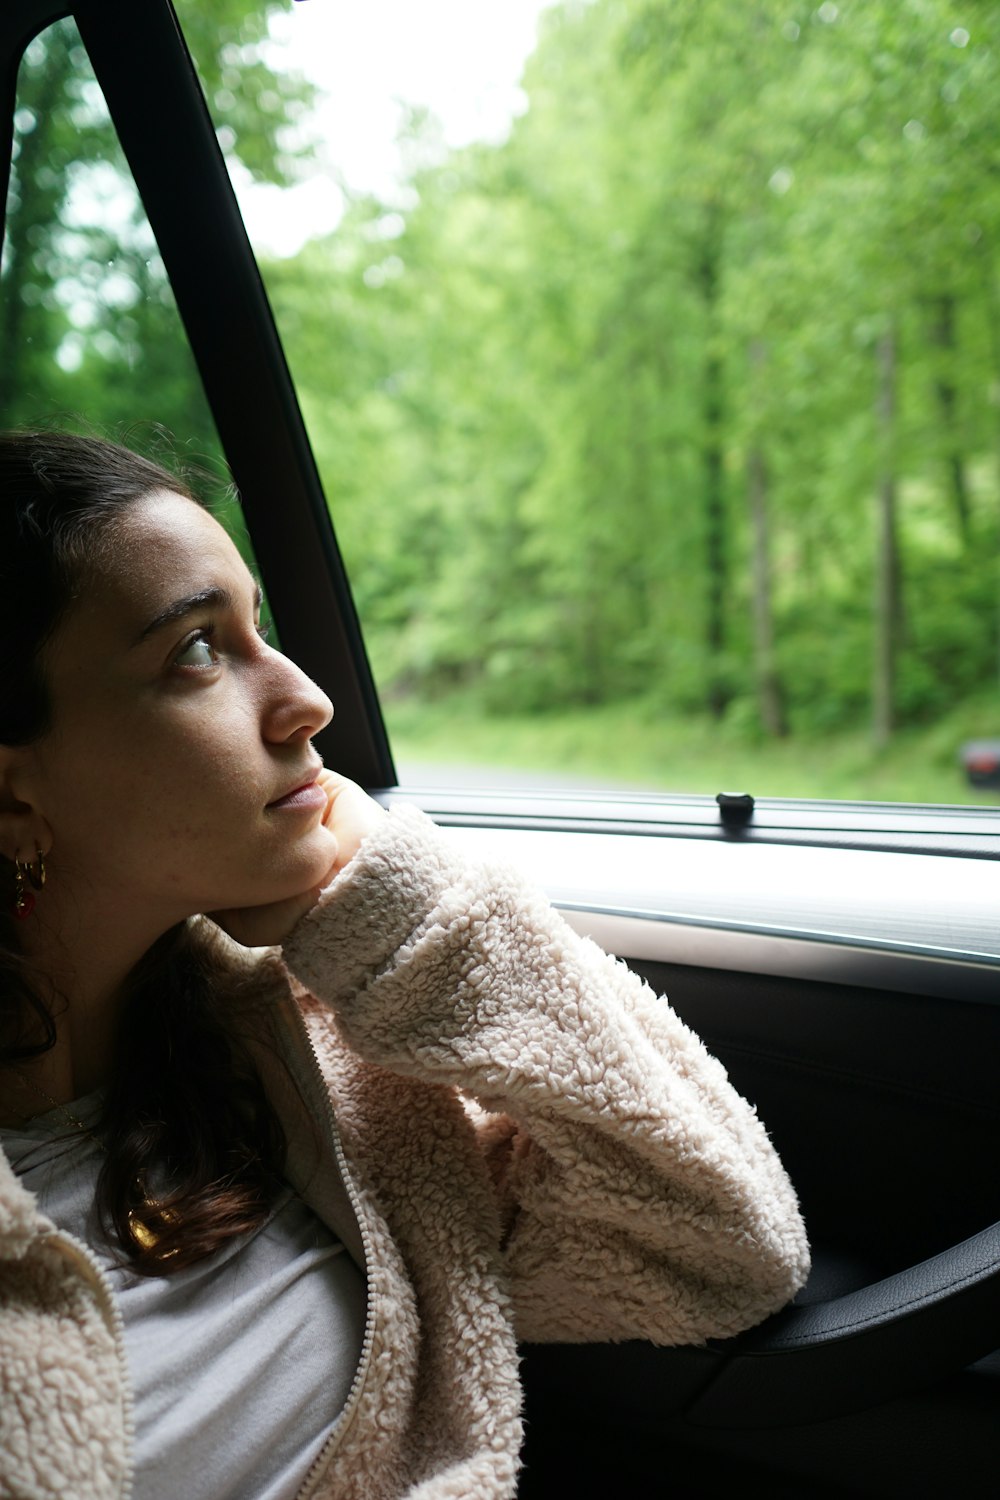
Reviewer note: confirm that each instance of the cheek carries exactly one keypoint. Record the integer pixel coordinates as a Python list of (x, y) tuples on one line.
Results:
[(147, 789), (176, 812)]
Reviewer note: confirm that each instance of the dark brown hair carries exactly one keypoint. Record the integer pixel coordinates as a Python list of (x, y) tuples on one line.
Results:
[(186, 1123)]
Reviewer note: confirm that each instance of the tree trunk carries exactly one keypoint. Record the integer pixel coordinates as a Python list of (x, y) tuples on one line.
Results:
[(887, 566), (716, 558), (943, 337), (993, 328), (770, 697), (29, 210)]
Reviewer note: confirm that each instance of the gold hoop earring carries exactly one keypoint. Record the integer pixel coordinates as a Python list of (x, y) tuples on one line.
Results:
[(24, 873), (36, 872)]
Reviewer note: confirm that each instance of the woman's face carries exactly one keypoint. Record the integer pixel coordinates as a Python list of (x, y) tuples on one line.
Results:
[(177, 734)]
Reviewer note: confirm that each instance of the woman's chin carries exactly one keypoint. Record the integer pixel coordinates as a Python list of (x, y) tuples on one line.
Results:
[(323, 850), (307, 866), (314, 867)]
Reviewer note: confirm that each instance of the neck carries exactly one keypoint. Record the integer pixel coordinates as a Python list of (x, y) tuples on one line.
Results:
[(79, 967)]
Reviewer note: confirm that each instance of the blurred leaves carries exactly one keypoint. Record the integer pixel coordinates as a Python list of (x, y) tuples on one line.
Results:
[(538, 380)]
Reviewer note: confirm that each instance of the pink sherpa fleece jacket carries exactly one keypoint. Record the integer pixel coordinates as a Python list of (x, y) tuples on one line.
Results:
[(512, 1134)]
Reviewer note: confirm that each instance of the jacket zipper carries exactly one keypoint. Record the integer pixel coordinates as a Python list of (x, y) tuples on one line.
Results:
[(322, 1460), (80, 1255)]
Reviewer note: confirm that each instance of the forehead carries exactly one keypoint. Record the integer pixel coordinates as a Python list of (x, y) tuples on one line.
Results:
[(164, 546), (162, 540), (163, 549)]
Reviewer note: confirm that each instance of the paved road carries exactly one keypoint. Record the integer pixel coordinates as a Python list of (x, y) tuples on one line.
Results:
[(478, 778)]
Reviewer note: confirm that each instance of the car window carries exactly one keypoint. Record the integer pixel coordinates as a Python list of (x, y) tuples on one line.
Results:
[(89, 329), (655, 403), (659, 422)]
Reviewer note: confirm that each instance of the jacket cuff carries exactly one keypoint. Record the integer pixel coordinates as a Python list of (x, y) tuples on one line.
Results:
[(375, 905)]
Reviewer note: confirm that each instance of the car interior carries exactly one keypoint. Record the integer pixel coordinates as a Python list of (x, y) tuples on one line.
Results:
[(841, 959)]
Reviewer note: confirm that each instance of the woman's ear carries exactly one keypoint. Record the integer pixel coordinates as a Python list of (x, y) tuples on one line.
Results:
[(24, 830)]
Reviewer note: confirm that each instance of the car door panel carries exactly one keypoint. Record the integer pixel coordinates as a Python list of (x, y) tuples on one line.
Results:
[(881, 1099), (889, 1130)]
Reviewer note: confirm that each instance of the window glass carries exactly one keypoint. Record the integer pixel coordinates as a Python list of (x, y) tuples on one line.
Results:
[(87, 317), (654, 386)]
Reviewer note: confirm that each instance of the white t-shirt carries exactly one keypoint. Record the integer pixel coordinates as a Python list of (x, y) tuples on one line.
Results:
[(239, 1365)]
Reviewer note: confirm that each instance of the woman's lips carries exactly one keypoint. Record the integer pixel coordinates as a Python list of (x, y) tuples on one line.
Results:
[(305, 798)]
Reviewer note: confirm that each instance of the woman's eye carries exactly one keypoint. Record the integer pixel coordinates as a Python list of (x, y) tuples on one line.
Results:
[(199, 652)]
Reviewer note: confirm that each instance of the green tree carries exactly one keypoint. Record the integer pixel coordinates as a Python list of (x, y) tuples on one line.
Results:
[(86, 313), (605, 410)]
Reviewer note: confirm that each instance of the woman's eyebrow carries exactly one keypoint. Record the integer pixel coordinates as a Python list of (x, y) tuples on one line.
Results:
[(211, 598)]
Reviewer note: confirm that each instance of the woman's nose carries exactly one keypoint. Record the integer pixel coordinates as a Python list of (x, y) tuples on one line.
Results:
[(298, 708)]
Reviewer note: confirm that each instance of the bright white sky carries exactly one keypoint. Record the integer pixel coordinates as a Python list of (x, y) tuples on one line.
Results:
[(461, 58)]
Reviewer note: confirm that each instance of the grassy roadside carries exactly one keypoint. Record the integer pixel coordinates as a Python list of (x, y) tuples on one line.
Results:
[(628, 745)]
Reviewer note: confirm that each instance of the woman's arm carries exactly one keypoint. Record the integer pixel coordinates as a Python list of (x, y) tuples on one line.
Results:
[(642, 1197)]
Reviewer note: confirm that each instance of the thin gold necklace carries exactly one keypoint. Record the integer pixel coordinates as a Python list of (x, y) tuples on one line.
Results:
[(144, 1236), (36, 1088)]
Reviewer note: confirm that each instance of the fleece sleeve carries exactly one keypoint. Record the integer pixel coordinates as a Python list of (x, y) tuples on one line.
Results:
[(641, 1195)]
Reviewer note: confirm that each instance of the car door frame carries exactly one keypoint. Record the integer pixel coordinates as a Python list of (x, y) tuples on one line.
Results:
[(158, 109)]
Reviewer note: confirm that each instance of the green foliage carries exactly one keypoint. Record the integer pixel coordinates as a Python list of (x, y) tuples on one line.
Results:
[(89, 331), (603, 411), (537, 387), (87, 318)]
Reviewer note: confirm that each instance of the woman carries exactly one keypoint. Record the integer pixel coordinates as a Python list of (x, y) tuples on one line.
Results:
[(270, 1220)]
